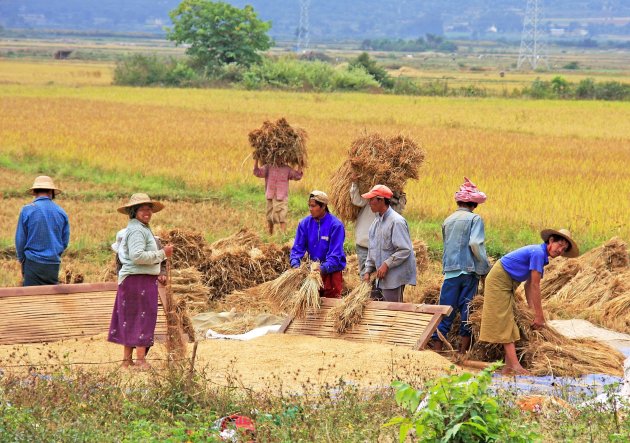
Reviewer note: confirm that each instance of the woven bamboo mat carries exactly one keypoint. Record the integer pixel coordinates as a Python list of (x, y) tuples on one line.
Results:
[(50, 313), (403, 324)]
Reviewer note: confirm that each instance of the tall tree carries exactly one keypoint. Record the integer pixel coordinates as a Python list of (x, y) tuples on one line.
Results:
[(219, 33)]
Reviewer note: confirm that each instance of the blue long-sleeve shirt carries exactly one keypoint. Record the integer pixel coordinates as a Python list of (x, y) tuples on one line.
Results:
[(323, 240), (43, 232)]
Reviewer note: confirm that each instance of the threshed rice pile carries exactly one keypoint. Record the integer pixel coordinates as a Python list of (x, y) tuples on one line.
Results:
[(278, 143), (374, 159)]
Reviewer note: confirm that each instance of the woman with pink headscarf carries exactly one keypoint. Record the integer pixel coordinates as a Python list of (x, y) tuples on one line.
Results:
[(464, 261)]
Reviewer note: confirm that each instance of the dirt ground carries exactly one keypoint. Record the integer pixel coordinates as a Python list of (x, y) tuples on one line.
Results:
[(278, 362)]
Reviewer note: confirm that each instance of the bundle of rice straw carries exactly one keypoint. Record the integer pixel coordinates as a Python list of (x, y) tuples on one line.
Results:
[(187, 285), (280, 290), (546, 351), (243, 238), (250, 301), (306, 298), (351, 278), (352, 307), (189, 247), (421, 251), (374, 159), (277, 143), (175, 345)]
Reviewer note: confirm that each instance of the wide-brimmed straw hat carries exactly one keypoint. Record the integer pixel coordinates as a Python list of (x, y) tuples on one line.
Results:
[(141, 199), (573, 251), (44, 182)]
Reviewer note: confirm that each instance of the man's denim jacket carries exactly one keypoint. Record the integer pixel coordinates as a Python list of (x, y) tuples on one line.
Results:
[(464, 249)]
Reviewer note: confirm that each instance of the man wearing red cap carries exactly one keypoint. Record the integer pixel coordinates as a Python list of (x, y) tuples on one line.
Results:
[(390, 252), (464, 260)]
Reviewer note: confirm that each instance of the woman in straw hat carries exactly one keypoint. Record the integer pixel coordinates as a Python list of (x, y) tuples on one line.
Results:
[(42, 235), (523, 265), (135, 311)]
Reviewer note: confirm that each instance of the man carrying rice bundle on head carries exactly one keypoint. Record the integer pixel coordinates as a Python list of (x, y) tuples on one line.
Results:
[(464, 260), (279, 156), (321, 234), (526, 264)]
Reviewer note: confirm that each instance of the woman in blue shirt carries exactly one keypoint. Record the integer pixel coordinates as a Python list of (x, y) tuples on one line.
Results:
[(523, 265)]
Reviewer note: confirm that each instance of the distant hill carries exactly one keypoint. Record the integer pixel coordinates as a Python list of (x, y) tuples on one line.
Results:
[(334, 19)]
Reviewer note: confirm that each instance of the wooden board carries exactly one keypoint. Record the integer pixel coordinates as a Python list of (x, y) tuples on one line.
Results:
[(403, 324), (36, 314)]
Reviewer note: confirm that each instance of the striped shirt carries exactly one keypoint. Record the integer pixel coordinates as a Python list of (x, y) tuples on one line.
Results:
[(43, 232)]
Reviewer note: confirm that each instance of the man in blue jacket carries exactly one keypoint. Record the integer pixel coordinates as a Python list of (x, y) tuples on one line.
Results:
[(321, 234), (464, 261), (42, 235)]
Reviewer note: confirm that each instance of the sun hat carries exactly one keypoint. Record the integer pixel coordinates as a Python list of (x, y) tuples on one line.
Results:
[(573, 251), (140, 199), (319, 196), (44, 182), (469, 193), (378, 191)]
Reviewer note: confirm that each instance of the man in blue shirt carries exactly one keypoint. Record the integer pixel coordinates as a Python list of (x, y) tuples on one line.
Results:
[(42, 235), (464, 260), (523, 265), (321, 234)]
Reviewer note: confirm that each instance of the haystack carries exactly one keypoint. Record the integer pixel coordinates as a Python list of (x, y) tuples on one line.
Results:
[(374, 159), (277, 143), (546, 351)]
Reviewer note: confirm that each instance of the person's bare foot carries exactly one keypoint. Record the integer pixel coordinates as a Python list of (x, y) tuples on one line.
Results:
[(515, 371), (126, 363), (142, 366)]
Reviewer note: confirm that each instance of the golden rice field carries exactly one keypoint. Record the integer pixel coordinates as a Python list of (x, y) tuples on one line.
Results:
[(542, 163)]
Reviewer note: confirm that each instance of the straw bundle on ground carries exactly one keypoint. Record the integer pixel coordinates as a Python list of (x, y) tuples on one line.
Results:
[(612, 255), (351, 278), (187, 285), (243, 238), (277, 143), (175, 345), (251, 301), (350, 311), (189, 247), (546, 351), (374, 159)]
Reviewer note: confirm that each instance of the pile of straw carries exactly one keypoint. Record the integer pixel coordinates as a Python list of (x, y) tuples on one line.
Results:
[(351, 278), (546, 351), (228, 270), (350, 311), (243, 238), (421, 251), (189, 247), (594, 287), (250, 301), (187, 285), (277, 143), (374, 159)]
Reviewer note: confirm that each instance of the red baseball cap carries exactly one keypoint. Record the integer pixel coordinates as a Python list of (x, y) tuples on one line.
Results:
[(379, 191)]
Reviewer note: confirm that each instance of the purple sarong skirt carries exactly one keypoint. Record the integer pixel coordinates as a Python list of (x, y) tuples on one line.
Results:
[(135, 311)]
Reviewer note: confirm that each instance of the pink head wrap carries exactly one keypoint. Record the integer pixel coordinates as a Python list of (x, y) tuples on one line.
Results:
[(468, 192)]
